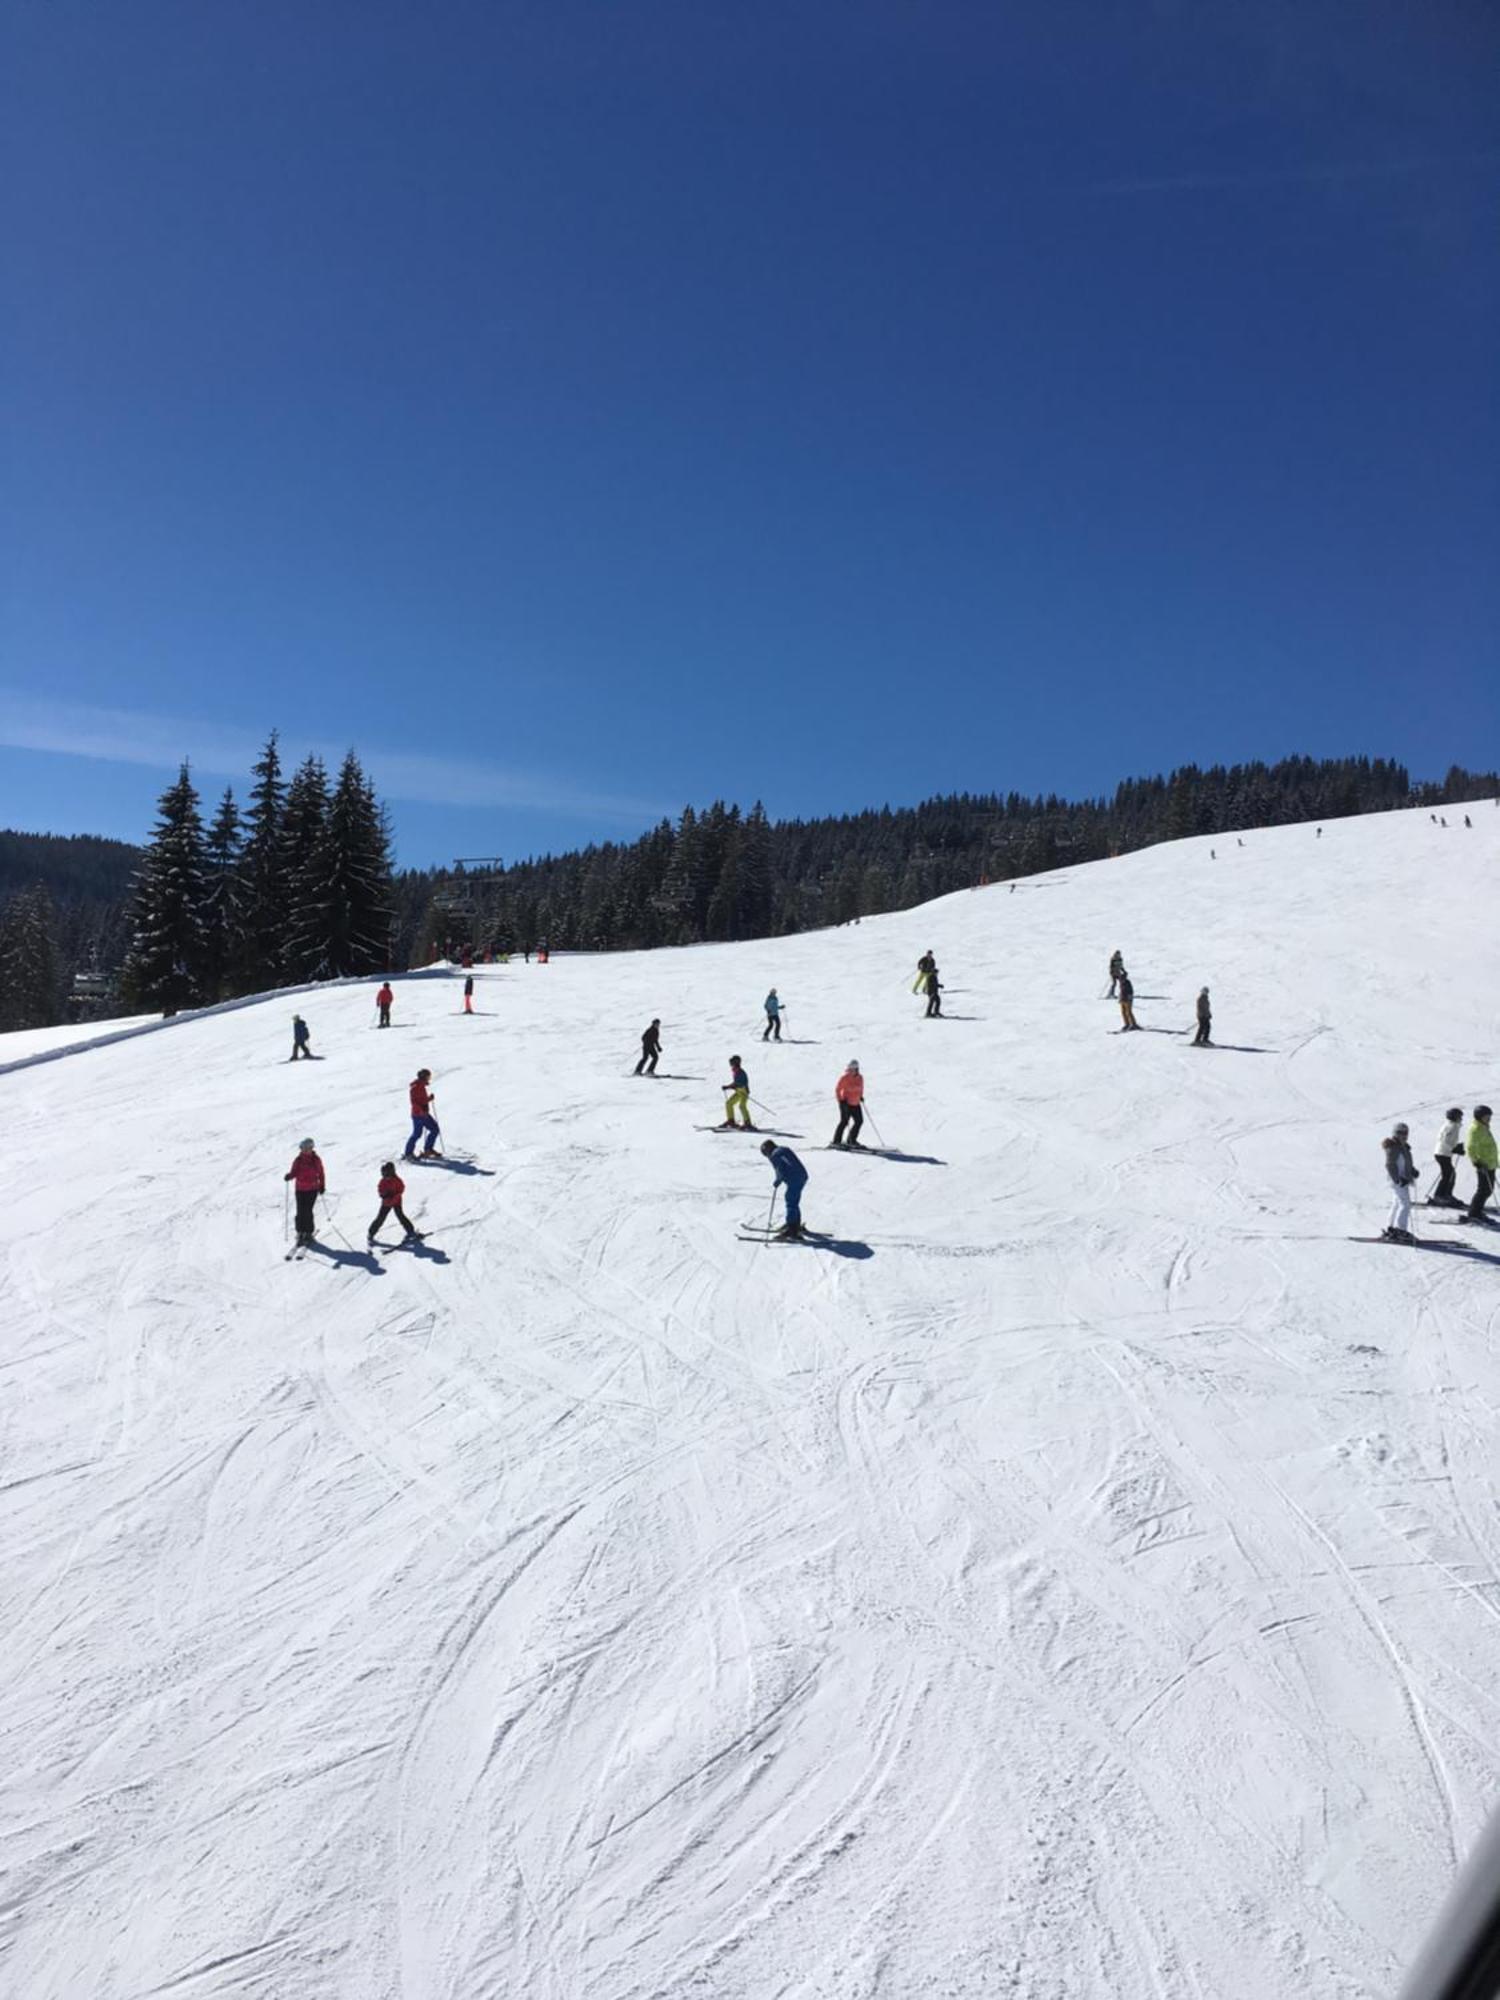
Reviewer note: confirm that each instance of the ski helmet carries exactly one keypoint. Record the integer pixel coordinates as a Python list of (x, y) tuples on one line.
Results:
[(307, 1145), (424, 1074), (387, 1166), (1455, 1111), (1399, 1131), (768, 1145), (1481, 1111)]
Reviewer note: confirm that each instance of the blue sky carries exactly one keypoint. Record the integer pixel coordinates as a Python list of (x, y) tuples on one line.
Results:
[(584, 409)]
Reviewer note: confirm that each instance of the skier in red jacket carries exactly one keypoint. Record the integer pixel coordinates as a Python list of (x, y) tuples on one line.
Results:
[(306, 1176), (383, 1001), (422, 1119), (390, 1190)]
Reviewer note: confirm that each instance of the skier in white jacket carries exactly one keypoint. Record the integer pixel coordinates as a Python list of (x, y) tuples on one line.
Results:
[(1401, 1172), (1449, 1147)]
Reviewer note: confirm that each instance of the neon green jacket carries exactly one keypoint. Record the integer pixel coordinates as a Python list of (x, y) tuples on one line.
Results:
[(1481, 1148)]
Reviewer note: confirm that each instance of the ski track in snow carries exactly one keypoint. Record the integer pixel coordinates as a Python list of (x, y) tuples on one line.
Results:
[(1090, 1594)]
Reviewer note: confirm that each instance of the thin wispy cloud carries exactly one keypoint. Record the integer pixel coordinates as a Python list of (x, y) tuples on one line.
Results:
[(1267, 177), (160, 742)]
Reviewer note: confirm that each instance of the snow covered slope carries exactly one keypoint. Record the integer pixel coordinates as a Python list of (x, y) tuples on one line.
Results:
[(1076, 1579)]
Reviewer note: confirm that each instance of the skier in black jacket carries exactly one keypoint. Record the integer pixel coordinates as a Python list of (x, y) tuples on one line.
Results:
[(650, 1050)]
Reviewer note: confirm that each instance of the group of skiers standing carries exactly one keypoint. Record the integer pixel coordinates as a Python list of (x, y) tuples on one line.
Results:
[(927, 982), (1401, 1171), (1122, 988)]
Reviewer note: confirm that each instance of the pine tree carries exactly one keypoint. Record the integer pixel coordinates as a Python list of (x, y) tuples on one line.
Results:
[(307, 871), (350, 880), (164, 967), (222, 898), (30, 974), (262, 890)]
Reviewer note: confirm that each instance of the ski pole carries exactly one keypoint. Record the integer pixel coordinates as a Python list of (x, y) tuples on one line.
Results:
[(763, 1107), (286, 1214), (328, 1217), (879, 1136), (771, 1211)]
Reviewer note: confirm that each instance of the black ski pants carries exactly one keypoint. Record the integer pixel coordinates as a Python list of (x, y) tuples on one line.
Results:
[(390, 1208), (934, 999), (852, 1115), (1484, 1188), (773, 1027), (385, 1017), (1445, 1177), (307, 1202), (1205, 1025), (647, 1064)]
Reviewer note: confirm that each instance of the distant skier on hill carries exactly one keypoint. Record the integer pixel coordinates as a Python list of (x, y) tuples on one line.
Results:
[(422, 1119), (391, 1188), (792, 1176), (849, 1093), (650, 1049), (300, 1043), (1449, 1146), (738, 1098), (469, 994), (308, 1182), (773, 1016), (1127, 1002), (926, 965), (1116, 971), (383, 1000), (1202, 1039), (1483, 1158), (1401, 1172), (934, 993)]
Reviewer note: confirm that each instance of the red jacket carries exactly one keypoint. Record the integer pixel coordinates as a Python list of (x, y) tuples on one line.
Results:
[(421, 1098), (307, 1174), (384, 997), (850, 1087), (391, 1188)]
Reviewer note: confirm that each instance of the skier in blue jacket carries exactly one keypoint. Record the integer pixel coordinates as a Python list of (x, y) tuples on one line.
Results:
[(791, 1175), (773, 1016)]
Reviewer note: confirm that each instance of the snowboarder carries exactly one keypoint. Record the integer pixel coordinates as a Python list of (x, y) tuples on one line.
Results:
[(738, 1098), (1483, 1158), (422, 1119), (650, 1049), (1401, 1172), (1202, 1040), (934, 994), (1127, 1002), (383, 1000), (791, 1175), (925, 964), (1116, 971), (773, 1016), (849, 1092), (1450, 1146), (300, 1046), (469, 994), (391, 1188), (308, 1182)]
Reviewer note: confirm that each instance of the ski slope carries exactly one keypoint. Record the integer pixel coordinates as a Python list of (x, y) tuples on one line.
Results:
[(1076, 1581)]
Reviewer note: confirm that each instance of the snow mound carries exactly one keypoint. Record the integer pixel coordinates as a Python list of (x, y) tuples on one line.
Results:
[(1074, 1577)]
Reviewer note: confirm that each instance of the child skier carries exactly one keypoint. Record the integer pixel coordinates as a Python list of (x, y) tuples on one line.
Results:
[(1205, 1020), (1450, 1146), (650, 1049), (299, 1039), (1127, 1002), (773, 1016), (1401, 1172), (469, 994), (391, 1188), (791, 1175), (849, 1093), (934, 991), (383, 1001), (308, 1182), (422, 1119), (1484, 1157), (738, 1099)]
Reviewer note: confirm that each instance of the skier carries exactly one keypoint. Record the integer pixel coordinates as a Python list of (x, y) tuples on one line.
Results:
[(773, 1016), (422, 1119), (1202, 1039), (383, 1000), (1116, 971), (469, 994), (738, 1088), (925, 964), (849, 1092), (1450, 1146), (300, 1045), (308, 1182), (650, 1049), (1401, 1173), (1127, 1002), (934, 994), (791, 1175), (390, 1190), (1483, 1158)]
